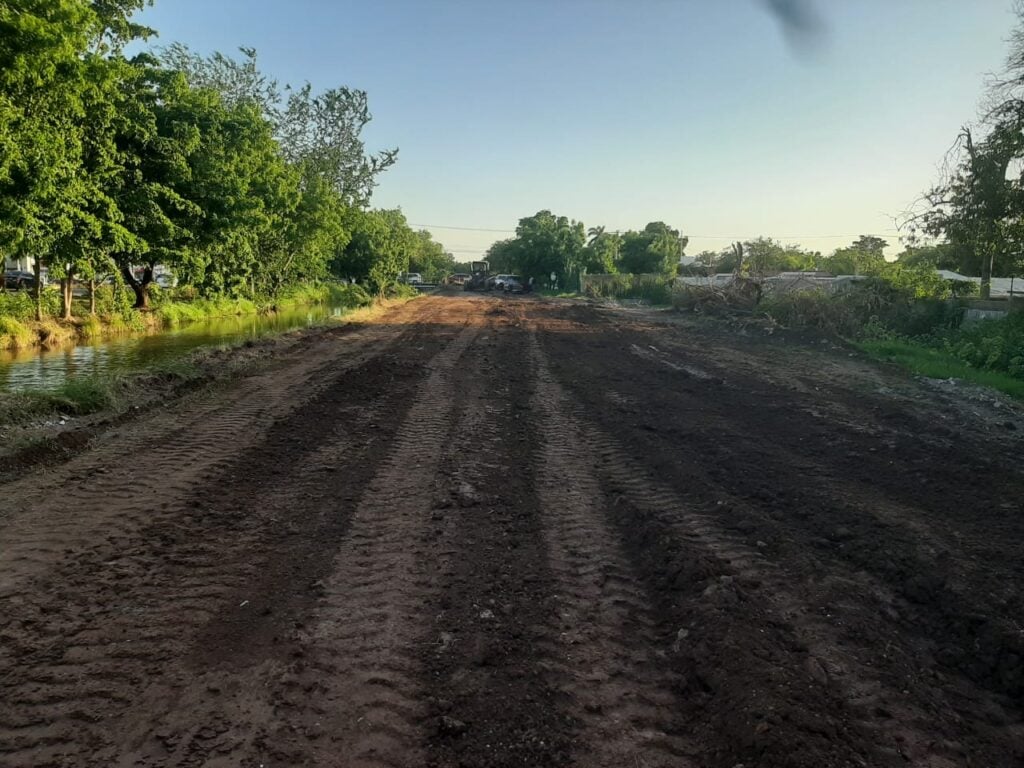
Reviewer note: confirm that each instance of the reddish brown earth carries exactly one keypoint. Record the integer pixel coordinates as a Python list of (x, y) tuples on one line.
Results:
[(518, 532)]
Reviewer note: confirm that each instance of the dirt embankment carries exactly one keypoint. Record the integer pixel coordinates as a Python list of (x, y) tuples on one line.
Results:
[(509, 532)]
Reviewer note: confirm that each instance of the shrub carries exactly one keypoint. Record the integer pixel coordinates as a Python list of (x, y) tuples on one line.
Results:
[(654, 289), (869, 309), (402, 291), (92, 328), (113, 299), (14, 335), (21, 305), (349, 295), (993, 345)]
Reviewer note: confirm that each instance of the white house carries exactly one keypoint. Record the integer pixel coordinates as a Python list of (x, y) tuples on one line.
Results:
[(1000, 288), (21, 264)]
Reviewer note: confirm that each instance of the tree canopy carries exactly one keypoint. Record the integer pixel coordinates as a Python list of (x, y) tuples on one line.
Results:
[(201, 165)]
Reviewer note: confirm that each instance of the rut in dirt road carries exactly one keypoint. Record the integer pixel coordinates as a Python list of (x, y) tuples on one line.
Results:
[(608, 646), (493, 701), (835, 625), (360, 648), (133, 601), (501, 532)]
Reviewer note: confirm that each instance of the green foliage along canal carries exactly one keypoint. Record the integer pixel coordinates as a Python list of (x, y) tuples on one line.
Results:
[(49, 368)]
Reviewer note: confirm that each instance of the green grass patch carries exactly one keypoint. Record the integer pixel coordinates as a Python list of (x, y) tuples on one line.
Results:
[(76, 397), (91, 328), (937, 364), (15, 334), (547, 292)]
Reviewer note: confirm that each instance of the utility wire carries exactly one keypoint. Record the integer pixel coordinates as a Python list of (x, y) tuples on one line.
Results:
[(687, 234)]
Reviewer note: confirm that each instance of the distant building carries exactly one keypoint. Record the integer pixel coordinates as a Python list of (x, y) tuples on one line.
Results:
[(1000, 287), (20, 264)]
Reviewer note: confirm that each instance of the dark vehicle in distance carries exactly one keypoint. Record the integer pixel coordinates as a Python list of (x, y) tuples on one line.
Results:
[(515, 284), (499, 282), (15, 280), (480, 272)]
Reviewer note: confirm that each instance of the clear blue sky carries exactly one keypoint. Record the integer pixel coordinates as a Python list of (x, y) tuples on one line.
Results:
[(700, 113)]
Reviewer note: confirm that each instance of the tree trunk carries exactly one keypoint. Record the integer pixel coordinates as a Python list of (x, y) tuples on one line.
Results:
[(67, 293), (37, 268), (986, 273), (92, 297), (140, 287)]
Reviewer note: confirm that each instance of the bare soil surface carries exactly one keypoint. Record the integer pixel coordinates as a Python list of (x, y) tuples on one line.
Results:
[(483, 532)]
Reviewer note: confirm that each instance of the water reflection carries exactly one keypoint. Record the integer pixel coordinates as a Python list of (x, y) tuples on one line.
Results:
[(43, 369)]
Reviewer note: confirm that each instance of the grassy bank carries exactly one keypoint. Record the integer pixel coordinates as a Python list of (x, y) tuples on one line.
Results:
[(117, 393), (924, 335), (938, 364), (170, 309)]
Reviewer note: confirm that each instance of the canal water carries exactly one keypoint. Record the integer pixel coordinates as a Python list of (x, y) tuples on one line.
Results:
[(48, 368)]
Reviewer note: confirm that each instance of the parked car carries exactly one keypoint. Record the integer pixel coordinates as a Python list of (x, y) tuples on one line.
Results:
[(15, 280), (514, 284), (459, 278), (411, 278), (499, 282)]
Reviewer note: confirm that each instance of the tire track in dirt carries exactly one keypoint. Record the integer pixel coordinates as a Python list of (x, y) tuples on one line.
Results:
[(706, 582), (83, 660), (161, 458), (494, 700), (354, 699), (910, 590), (735, 572), (609, 648)]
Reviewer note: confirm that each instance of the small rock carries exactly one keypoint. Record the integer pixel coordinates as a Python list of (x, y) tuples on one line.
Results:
[(486, 614), (842, 533), (681, 636), (816, 670), (449, 726)]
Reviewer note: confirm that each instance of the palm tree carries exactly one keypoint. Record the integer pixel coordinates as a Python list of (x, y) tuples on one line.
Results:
[(595, 233)]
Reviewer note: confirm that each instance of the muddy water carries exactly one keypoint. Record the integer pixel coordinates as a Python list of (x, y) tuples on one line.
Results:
[(47, 368)]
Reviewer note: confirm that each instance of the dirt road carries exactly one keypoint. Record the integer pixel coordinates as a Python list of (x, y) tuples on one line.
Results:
[(516, 532)]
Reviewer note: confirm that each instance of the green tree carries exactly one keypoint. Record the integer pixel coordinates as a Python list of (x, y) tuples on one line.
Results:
[(379, 249), (864, 257), (601, 254), (503, 256), (321, 132), (655, 250), (549, 244), (429, 258), (41, 111)]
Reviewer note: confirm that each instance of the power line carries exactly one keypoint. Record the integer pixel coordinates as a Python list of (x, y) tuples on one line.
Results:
[(687, 234), (464, 229)]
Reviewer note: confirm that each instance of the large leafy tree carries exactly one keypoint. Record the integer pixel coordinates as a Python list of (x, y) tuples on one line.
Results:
[(379, 249), (601, 254), (865, 256), (979, 206), (503, 255), (655, 250), (322, 132), (548, 244), (202, 165), (41, 113), (429, 258)]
